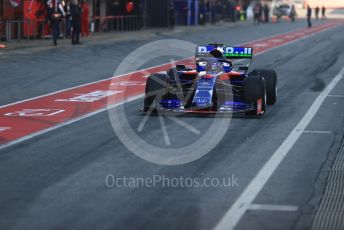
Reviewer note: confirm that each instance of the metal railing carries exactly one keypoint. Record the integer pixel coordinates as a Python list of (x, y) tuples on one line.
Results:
[(181, 19), (119, 23), (26, 29), (41, 29)]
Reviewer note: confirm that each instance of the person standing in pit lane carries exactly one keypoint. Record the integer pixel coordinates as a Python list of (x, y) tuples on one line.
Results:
[(317, 9), (68, 19), (309, 16), (266, 13), (257, 11), (75, 10), (323, 12), (55, 12), (292, 14), (85, 14)]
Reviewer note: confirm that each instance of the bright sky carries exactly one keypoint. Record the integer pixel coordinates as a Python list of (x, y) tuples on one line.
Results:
[(326, 3)]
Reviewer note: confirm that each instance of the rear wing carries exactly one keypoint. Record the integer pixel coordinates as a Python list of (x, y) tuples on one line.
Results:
[(228, 52), (238, 52)]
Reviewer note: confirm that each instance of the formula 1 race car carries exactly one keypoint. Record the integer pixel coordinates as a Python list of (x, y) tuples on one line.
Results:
[(218, 84)]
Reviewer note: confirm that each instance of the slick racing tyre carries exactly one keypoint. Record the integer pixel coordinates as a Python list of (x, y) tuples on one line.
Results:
[(270, 77), (255, 94), (186, 94), (155, 88)]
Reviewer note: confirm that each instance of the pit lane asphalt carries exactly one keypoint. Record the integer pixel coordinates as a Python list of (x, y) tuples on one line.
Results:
[(26, 74), (58, 179)]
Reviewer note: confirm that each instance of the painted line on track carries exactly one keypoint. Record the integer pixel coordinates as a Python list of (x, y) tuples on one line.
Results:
[(244, 201), (68, 122), (35, 116), (273, 207), (317, 132), (336, 95)]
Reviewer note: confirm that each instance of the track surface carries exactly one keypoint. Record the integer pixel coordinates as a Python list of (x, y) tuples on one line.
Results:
[(57, 179), (21, 120)]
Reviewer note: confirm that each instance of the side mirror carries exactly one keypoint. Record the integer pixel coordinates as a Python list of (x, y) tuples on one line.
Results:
[(244, 68)]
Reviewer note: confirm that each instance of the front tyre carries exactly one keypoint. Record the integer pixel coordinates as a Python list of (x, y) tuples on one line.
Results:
[(255, 94), (155, 88), (270, 77)]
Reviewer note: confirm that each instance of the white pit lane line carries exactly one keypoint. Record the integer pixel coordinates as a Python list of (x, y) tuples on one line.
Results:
[(274, 207), (244, 201), (335, 95), (317, 132)]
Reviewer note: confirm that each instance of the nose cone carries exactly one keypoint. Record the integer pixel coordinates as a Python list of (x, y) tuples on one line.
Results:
[(208, 76)]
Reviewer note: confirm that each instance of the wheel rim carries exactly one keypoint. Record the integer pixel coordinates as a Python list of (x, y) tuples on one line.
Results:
[(264, 101)]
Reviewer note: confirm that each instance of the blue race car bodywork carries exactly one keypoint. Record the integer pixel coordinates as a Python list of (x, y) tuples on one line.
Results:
[(216, 85)]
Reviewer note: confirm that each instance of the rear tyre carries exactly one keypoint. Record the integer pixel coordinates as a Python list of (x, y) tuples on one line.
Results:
[(155, 88), (255, 94), (270, 77)]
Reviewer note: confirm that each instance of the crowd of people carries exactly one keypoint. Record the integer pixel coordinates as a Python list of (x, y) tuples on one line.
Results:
[(317, 10), (76, 15), (260, 10), (219, 10), (261, 13)]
